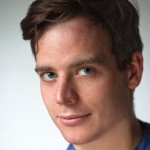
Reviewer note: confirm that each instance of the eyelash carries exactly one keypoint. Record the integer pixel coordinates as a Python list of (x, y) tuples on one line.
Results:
[(41, 75), (90, 69)]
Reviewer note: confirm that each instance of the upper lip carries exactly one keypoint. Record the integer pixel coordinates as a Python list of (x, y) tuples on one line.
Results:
[(69, 117)]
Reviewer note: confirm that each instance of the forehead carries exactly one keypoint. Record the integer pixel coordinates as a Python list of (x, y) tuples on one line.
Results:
[(79, 28), (74, 38)]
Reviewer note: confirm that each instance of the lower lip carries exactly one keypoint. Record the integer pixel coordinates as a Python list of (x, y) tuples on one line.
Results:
[(74, 121)]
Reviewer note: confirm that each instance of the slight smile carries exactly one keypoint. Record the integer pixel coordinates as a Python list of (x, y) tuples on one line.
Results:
[(73, 120)]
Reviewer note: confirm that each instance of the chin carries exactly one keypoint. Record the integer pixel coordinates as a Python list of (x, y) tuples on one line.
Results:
[(79, 137)]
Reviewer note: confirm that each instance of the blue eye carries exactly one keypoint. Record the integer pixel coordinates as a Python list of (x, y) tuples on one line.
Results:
[(48, 76), (85, 71)]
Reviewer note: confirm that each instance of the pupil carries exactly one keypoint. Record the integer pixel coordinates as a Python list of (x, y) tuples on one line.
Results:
[(50, 75), (87, 70)]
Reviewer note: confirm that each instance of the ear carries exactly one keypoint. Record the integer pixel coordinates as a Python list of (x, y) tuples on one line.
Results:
[(135, 70)]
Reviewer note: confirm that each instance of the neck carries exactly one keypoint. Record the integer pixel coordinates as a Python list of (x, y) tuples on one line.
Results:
[(124, 136)]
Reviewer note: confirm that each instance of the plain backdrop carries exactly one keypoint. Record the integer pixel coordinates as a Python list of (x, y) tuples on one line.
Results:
[(24, 121)]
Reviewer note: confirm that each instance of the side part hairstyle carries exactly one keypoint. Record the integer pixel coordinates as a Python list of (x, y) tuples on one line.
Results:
[(119, 19)]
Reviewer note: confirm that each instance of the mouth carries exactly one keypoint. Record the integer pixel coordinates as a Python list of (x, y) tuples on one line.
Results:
[(73, 120)]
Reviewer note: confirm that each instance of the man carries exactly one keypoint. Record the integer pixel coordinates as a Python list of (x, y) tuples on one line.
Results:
[(89, 58)]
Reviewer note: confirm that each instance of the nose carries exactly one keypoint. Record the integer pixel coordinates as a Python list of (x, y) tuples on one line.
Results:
[(66, 92)]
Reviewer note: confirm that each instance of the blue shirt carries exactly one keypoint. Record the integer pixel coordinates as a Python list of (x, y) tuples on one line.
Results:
[(144, 143), (70, 147)]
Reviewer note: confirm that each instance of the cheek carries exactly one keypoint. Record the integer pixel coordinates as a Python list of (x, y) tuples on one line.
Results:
[(47, 93), (106, 97), (96, 96)]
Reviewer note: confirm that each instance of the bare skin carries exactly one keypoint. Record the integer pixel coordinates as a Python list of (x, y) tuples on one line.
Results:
[(86, 95)]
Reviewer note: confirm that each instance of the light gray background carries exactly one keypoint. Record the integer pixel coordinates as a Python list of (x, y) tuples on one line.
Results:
[(24, 121)]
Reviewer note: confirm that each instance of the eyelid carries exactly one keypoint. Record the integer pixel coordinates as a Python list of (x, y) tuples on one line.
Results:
[(86, 67), (41, 74)]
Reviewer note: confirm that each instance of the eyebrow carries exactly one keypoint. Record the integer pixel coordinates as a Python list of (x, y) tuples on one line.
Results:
[(80, 62), (86, 61), (42, 69)]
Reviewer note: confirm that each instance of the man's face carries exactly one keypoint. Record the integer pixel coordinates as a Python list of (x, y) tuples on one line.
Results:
[(84, 92)]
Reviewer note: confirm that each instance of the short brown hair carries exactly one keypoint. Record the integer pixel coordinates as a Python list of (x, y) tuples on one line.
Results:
[(119, 17)]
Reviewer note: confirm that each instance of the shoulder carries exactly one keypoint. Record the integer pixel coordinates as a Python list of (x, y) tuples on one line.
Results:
[(144, 144)]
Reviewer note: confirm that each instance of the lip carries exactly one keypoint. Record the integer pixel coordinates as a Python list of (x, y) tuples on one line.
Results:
[(73, 120)]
